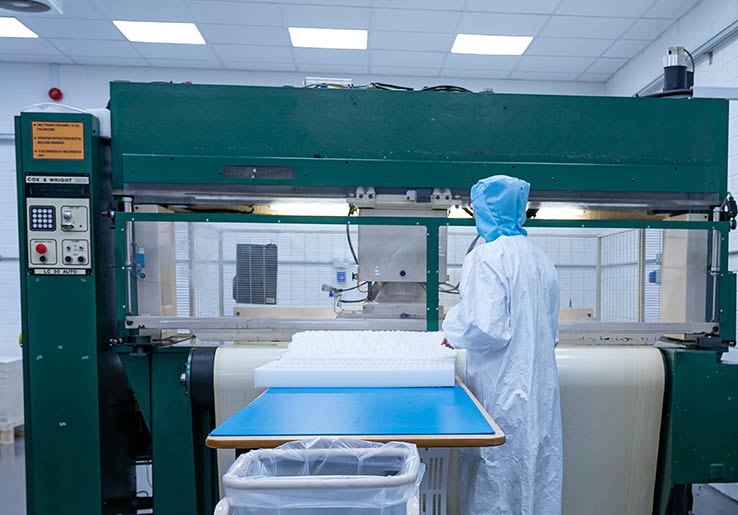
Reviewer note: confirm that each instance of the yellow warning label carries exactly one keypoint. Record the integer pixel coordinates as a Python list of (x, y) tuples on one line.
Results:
[(58, 140)]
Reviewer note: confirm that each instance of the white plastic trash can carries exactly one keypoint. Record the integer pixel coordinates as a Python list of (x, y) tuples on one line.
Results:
[(324, 476)]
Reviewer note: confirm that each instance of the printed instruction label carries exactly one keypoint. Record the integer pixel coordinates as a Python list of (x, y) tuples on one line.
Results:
[(58, 140)]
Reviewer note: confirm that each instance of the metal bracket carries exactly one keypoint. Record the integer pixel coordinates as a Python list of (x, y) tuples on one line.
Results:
[(442, 198), (365, 197)]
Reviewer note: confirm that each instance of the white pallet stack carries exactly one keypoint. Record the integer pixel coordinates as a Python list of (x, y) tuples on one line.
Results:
[(11, 398)]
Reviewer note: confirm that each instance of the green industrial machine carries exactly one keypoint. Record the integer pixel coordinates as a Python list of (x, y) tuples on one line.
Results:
[(103, 394)]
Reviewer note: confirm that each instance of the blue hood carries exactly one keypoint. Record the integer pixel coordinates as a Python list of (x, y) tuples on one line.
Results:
[(499, 206)]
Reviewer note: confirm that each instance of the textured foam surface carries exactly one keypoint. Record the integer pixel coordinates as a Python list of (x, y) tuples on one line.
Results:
[(361, 359)]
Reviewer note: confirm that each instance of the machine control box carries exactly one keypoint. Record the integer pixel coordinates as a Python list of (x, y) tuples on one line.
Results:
[(58, 224)]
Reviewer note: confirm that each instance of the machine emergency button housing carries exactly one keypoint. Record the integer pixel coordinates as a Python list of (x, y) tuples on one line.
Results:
[(43, 252)]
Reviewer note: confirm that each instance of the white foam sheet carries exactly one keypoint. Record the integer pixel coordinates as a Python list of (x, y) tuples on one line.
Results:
[(348, 359), (611, 403), (233, 383)]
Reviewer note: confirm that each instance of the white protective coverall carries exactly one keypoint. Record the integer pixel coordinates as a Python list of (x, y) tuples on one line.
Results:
[(507, 319)]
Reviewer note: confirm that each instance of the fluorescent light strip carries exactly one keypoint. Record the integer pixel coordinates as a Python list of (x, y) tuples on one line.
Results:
[(343, 39), (12, 28), (160, 32), (490, 45)]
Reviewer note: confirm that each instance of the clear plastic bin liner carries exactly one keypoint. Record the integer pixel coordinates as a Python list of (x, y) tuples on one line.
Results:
[(328, 475)]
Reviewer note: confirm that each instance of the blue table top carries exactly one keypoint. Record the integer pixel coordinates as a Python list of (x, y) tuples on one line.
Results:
[(286, 414)]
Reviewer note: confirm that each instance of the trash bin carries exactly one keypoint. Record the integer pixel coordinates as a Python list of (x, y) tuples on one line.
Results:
[(324, 476)]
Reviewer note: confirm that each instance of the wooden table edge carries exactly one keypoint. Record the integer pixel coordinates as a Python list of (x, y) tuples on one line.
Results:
[(262, 442)]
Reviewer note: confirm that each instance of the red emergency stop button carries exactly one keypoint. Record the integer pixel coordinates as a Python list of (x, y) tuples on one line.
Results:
[(41, 248)]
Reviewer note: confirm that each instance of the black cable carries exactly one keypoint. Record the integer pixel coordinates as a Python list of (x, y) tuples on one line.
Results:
[(446, 87), (671, 93), (172, 341), (469, 212), (473, 243), (690, 57), (353, 301), (339, 290), (350, 244), (468, 250), (382, 85)]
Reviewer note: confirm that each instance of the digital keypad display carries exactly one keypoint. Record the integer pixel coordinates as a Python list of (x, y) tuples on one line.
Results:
[(42, 218)]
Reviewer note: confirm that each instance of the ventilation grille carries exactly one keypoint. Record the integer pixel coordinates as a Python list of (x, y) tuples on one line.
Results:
[(255, 281), (433, 489)]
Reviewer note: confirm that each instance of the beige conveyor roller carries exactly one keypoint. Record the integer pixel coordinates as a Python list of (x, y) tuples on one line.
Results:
[(611, 411)]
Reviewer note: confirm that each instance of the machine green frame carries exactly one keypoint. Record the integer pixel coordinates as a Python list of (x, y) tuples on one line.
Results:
[(169, 140)]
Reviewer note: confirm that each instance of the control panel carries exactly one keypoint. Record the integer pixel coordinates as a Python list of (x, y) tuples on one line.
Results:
[(58, 224)]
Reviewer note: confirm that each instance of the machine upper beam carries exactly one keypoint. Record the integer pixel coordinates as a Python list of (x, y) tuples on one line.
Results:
[(257, 137)]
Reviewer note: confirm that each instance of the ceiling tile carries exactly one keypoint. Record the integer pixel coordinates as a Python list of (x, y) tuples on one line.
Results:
[(410, 59), (344, 3), (169, 51), (144, 10), (27, 46), (391, 40), (544, 75), (513, 6), (244, 35), (647, 29), (671, 9), (74, 28), (586, 27), (254, 54), (111, 61), (184, 63), (34, 58), (432, 5), (331, 57), (87, 10), (399, 71), (554, 64), (82, 47), (568, 47), (326, 17), (603, 8), (257, 66), (414, 20), (501, 24), (626, 48), (474, 73), (481, 62), (236, 13), (607, 65), (340, 70), (594, 77)]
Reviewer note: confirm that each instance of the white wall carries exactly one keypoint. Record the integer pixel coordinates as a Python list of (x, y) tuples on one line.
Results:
[(693, 29), (9, 278)]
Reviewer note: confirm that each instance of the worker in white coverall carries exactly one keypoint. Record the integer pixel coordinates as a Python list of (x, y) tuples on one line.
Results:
[(507, 319)]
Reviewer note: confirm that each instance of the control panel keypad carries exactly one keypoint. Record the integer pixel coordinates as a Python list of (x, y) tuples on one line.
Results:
[(42, 218)]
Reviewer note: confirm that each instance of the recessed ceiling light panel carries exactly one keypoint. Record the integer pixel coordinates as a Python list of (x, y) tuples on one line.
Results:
[(160, 32), (347, 39), (25, 6), (490, 45), (12, 28)]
